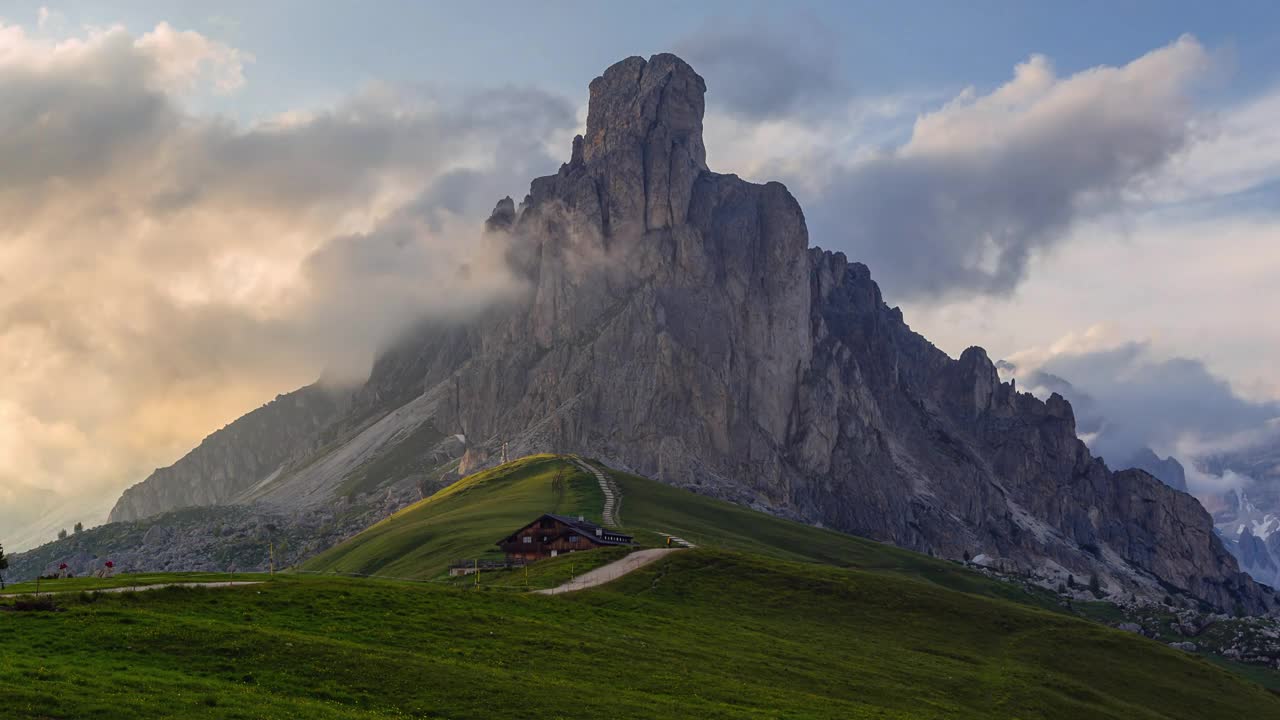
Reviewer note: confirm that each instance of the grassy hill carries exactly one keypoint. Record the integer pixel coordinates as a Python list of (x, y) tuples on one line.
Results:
[(467, 518), (766, 619), (702, 634)]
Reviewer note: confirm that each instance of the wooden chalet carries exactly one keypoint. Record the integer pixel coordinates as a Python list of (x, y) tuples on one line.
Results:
[(552, 535)]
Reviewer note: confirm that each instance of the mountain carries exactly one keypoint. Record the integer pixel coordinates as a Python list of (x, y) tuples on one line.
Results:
[(1249, 518), (463, 521), (30, 516), (1167, 470), (235, 458), (675, 322)]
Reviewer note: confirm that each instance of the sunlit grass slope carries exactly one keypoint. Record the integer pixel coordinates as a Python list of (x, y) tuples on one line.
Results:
[(467, 518)]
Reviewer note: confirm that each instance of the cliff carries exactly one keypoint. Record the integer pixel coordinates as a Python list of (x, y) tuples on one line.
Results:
[(678, 324)]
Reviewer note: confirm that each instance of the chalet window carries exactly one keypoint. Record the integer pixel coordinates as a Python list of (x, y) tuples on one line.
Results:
[(527, 539), (573, 538)]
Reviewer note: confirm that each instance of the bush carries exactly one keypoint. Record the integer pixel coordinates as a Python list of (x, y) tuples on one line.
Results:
[(32, 603)]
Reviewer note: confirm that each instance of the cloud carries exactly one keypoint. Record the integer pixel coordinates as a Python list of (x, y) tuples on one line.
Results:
[(1009, 217), (1128, 397), (764, 70), (186, 58), (163, 272), (1236, 150), (46, 18), (954, 200), (989, 180)]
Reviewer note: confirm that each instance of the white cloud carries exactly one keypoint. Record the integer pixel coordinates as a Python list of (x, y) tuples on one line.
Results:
[(989, 182), (1237, 148), (162, 273), (184, 58), (960, 201), (1129, 396)]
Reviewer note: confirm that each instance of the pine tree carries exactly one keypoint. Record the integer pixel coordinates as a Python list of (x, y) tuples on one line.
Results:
[(62, 534), (4, 565), (79, 527), (1095, 586)]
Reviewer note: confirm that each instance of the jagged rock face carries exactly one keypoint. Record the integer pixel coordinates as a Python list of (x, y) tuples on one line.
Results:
[(899, 442), (644, 142), (234, 458), (678, 324), (1254, 553), (1167, 470)]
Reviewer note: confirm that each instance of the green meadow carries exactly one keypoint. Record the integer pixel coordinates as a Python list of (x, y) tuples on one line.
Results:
[(765, 619)]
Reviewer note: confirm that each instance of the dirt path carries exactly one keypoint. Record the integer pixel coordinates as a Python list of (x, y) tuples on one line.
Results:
[(612, 571), (140, 588), (612, 493), (678, 540)]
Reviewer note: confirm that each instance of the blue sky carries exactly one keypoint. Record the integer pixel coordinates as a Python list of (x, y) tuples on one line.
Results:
[(212, 204), (309, 52)]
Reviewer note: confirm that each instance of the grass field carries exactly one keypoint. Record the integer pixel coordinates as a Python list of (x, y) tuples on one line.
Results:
[(766, 619), (467, 518), (132, 580), (703, 633)]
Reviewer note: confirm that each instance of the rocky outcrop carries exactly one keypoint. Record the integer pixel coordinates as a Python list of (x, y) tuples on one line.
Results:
[(234, 458), (677, 323), (1167, 470), (1255, 555)]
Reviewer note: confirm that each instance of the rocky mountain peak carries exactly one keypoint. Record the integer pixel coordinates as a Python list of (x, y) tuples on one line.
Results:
[(644, 132), (1167, 470), (635, 97), (978, 374), (678, 325), (503, 215)]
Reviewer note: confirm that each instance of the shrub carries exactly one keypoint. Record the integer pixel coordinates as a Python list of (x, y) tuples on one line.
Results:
[(32, 603), (1095, 586)]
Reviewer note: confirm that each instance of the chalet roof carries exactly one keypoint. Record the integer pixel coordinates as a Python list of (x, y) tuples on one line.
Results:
[(584, 527)]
